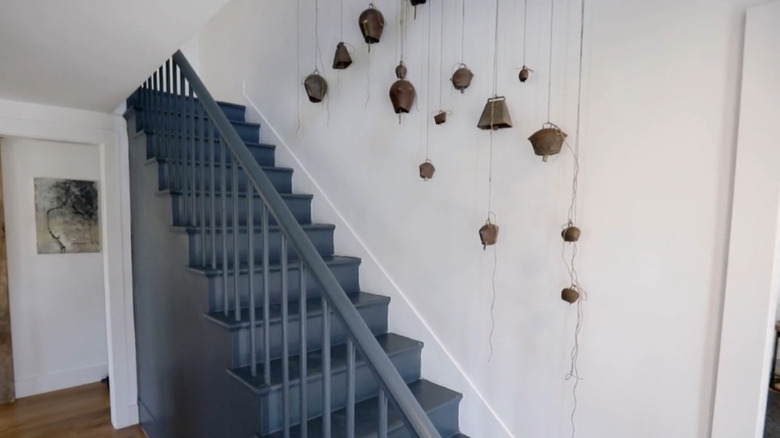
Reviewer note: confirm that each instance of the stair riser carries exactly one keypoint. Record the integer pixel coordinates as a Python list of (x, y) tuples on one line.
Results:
[(407, 363), (281, 178), (300, 207), (322, 239), (233, 112), (445, 419), (161, 148), (346, 274), (167, 124), (374, 315)]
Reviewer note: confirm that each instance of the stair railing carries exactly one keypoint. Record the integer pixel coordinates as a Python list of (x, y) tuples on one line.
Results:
[(190, 132)]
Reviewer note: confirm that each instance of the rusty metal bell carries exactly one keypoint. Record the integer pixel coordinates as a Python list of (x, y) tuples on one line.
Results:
[(462, 77), (495, 115), (341, 60), (316, 87), (548, 140), (440, 117), (402, 93), (570, 295), (524, 74), (426, 170), (372, 23), (571, 233), (488, 234)]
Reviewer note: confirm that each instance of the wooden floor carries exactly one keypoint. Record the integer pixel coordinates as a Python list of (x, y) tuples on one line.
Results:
[(81, 412)]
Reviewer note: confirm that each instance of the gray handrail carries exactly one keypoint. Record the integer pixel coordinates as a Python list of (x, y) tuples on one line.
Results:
[(389, 378)]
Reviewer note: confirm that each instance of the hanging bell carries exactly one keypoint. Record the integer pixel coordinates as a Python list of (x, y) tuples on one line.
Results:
[(371, 25), (495, 115), (316, 87), (488, 234), (525, 73), (571, 233), (570, 295), (440, 117), (402, 92), (548, 140), (462, 77), (341, 60), (426, 170)]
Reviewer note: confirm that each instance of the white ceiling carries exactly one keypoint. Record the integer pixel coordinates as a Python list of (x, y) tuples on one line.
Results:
[(90, 54)]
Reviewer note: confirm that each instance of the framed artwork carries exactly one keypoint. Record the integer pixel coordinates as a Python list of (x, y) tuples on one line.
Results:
[(66, 216)]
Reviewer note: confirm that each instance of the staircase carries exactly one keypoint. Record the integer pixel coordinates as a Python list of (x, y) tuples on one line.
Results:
[(217, 355)]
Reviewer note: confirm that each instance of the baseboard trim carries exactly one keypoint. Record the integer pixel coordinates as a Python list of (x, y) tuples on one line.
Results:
[(61, 380)]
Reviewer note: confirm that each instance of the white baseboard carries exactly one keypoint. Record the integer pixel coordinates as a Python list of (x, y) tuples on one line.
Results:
[(60, 380)]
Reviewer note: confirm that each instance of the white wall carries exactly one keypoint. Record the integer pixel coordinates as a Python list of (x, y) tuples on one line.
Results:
[(660, 109), (108, 133), (58, 314)]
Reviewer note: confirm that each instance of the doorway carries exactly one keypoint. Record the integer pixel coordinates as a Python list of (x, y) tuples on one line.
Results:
[(56, 295)]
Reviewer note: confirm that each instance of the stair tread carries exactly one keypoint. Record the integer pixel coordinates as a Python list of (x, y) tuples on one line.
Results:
[(292, 265), (391, 343), (243, 228), (430, 396), (218, 165), (241, 194), (313, 308)]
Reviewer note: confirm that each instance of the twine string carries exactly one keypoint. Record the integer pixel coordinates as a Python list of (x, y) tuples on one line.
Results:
[(549, 71), (462, 30), (525, 27)]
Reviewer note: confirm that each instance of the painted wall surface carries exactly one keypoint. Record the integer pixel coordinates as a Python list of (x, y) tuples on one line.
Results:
[(58, 313), (660, 106)]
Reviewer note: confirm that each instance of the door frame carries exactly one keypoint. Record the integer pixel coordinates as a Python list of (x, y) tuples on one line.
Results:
[(108, 132), (7, 383), (753, 271)]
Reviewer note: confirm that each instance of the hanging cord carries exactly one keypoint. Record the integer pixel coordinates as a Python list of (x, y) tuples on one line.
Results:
[(341, 21), (493, 303), (495, 58), (298, 65), (441, 55), (462, 30), (525, 28), (428, 93), (549, 71), (574, 373)]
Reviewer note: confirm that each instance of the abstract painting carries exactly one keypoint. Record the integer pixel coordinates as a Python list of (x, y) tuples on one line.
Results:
[(66, 216)]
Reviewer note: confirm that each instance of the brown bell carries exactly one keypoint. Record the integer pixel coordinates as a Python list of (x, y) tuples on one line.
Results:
[(548, 140), (525, 73), (440, 117), (495, 115), (570, 295), (402, 92), (488, 234), (372, 23), (571, 234), (462, 77), (426, 170), (341, 60), (316, 87)]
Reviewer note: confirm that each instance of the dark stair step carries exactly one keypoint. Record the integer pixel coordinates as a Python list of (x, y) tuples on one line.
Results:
[(263, 153), (373, 309), (299, 205), (170, 125), (321, 235), (233, 111), (441, 405), (403, 352), (281, 177), (345, 269)]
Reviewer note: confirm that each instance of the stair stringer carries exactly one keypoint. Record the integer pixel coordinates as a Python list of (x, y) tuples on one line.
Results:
[(169, 304), (477, 416)]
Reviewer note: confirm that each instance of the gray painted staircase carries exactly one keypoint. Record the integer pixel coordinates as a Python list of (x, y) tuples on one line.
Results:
[(199, 365)]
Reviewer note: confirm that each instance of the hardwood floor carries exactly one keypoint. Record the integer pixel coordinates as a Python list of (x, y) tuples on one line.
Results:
[(81, 412)]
